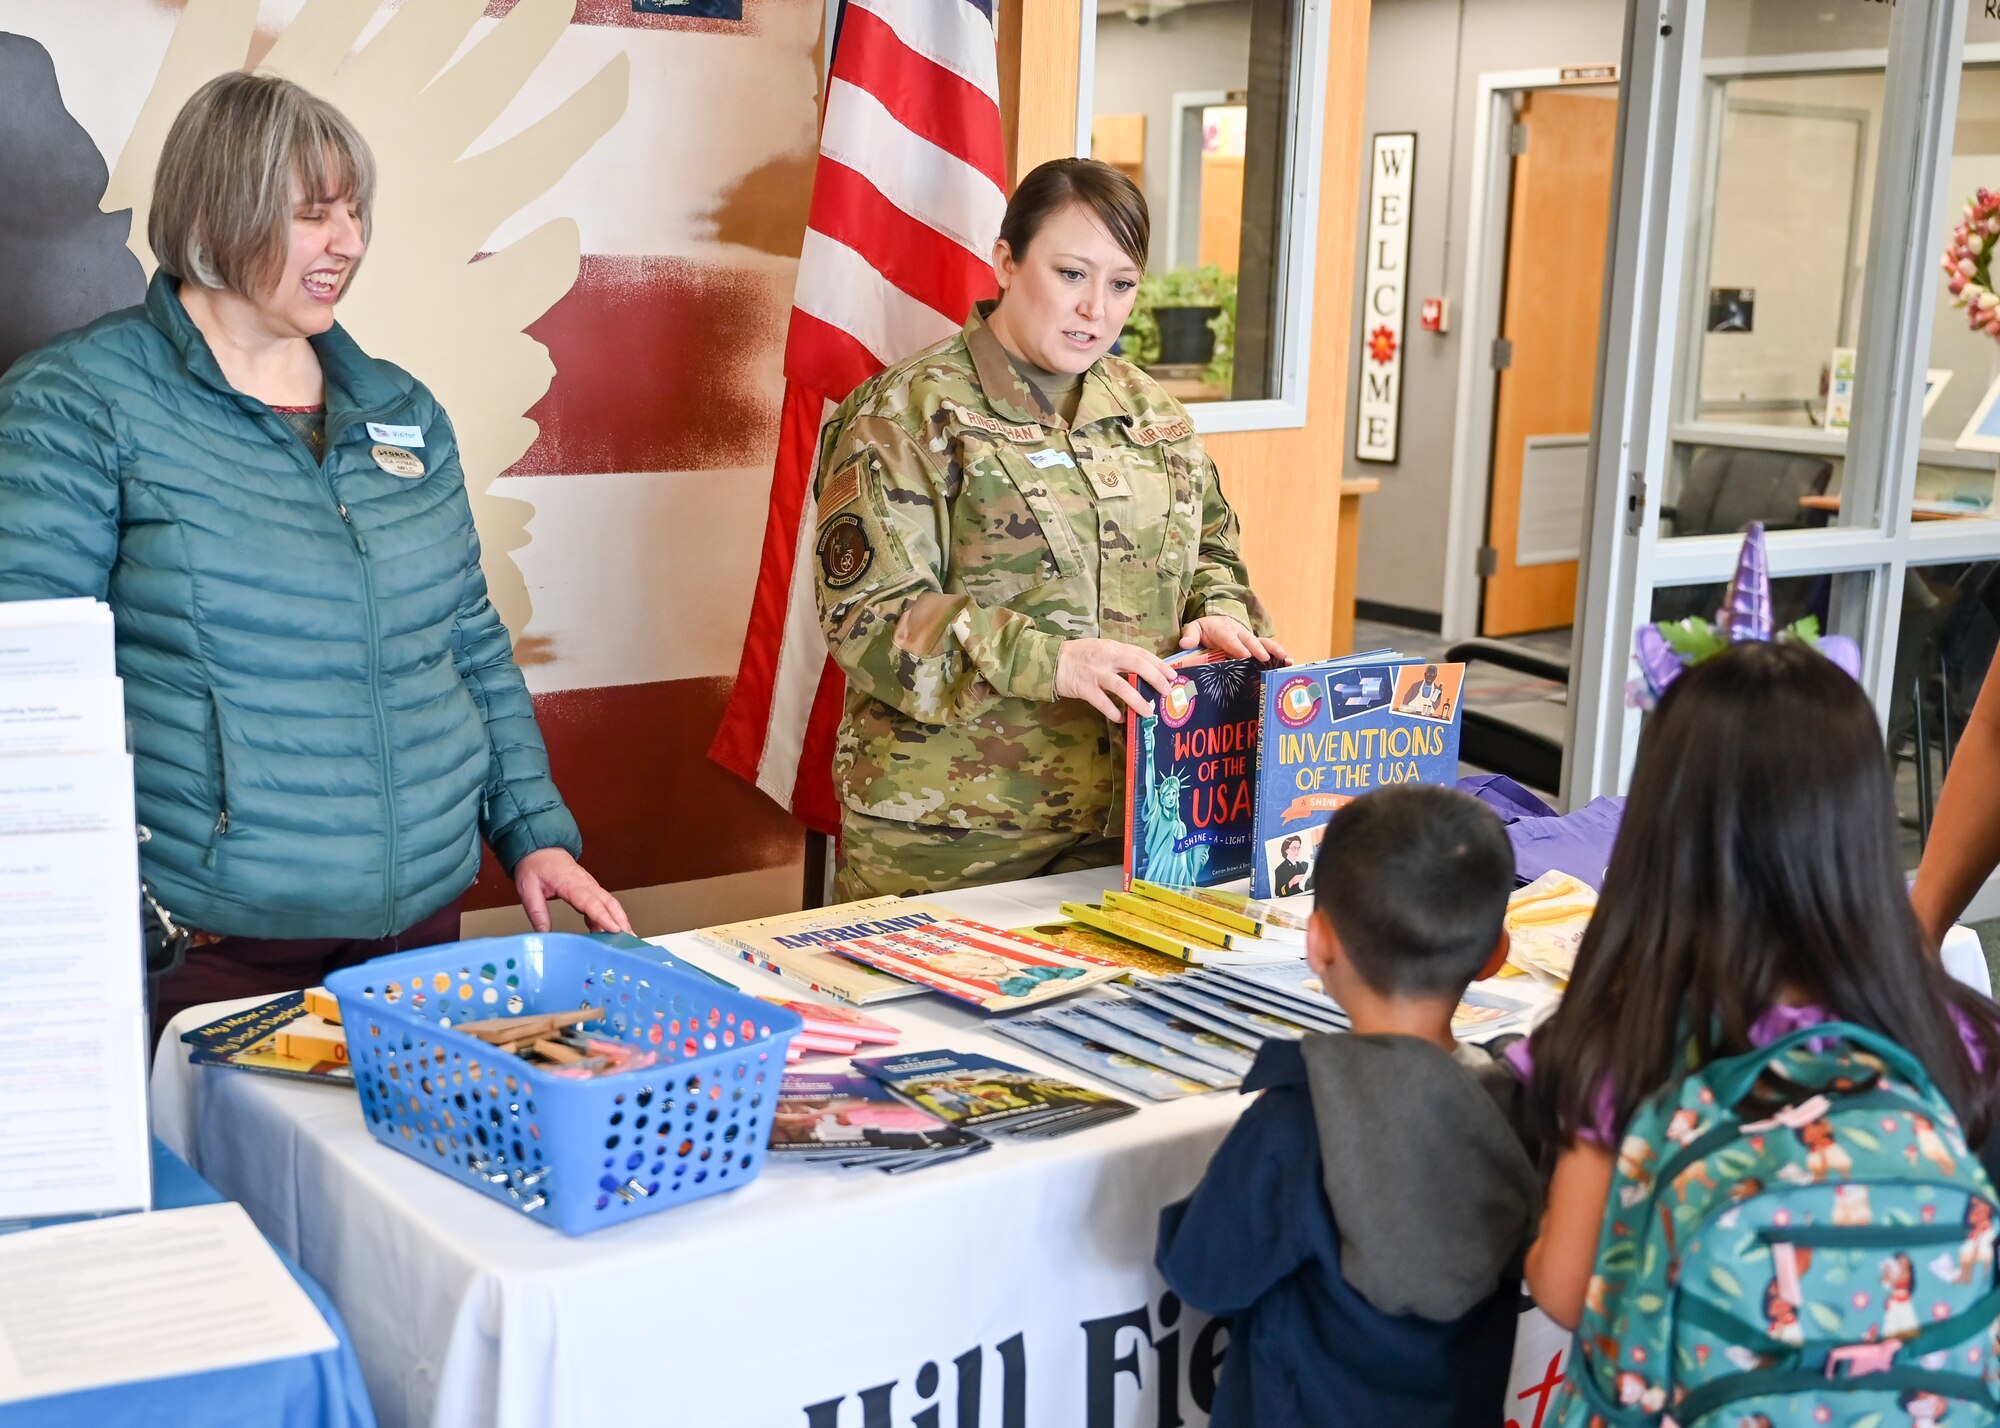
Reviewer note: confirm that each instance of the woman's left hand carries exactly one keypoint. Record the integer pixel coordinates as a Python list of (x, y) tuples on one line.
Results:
[(552, 872), (1233, 638)]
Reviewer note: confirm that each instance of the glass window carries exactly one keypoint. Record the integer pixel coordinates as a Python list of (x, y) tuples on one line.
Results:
[(1946, 639), (1198, 103), (1961, 424)]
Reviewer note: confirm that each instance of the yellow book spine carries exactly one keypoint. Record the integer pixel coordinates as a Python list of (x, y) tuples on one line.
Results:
[(1209, 912), (1134, 929), (1186, 924), (306, 1046), (323, 1004)]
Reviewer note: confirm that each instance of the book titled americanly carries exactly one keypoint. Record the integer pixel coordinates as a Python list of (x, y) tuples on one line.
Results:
[(794, 946)]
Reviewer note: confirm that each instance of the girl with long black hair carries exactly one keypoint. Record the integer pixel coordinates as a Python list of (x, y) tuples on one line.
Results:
[(1757, 886)]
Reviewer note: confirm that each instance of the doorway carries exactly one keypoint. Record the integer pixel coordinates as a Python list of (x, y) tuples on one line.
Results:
[(1543, 152)]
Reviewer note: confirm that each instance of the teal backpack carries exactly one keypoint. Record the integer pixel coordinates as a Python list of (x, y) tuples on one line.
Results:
[(1798, 1235)]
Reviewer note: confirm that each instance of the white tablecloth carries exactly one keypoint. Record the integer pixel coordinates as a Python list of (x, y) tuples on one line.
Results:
[(779, 1304)]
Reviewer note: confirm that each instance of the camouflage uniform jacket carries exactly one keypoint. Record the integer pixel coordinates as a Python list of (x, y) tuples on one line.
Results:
[(965, 531)]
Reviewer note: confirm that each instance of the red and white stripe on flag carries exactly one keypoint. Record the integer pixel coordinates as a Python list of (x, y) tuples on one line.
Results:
[(906, 203)]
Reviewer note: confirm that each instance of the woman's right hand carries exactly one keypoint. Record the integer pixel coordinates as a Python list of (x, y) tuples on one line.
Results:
[(1095, 670)]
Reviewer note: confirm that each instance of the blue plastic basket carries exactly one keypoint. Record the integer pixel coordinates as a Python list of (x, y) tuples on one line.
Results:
[(577, 1154)]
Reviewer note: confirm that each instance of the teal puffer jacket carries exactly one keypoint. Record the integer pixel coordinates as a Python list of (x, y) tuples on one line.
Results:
[(325, 709)]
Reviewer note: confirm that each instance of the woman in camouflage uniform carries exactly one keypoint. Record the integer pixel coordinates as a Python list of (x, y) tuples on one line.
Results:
[(1013, 527)]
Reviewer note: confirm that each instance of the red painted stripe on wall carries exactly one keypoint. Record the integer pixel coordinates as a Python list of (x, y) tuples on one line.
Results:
[(628, 760), (659, 367)]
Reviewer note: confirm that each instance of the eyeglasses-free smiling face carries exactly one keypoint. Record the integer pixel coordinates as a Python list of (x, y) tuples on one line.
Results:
[(324, 246), (1064, 301)]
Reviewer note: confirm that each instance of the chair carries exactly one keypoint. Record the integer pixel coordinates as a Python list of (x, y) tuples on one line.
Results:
[(1728, 487), (1521, 738)]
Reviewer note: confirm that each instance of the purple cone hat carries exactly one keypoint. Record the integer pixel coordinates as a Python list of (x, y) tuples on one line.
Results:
[(1745, 615), (1746, 610)]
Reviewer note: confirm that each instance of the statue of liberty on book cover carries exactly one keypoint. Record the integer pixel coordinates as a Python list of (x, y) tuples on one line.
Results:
[(1190, 769)]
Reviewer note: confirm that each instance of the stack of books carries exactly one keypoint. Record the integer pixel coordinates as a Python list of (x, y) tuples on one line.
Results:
[(993, 1098), (298, 1035), (854, 1121), (1195, 926), (834, 1031)]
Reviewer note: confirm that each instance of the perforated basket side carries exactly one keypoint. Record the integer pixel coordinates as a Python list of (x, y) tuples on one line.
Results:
[(576, 1153)]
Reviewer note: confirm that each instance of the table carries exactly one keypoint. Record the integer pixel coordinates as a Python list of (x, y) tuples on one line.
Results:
[(317, 1391), (1347, 559), (1917, 513), (1013, 1290)]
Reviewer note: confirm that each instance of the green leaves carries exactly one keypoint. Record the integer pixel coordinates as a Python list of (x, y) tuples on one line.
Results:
[(1825, 1315), (1725, 1281), (1692, 639)]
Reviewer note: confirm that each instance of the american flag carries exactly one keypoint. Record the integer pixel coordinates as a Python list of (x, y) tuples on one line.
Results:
[(906, 204)]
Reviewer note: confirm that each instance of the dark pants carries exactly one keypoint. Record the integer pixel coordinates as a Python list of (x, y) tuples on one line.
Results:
[(264, 967)]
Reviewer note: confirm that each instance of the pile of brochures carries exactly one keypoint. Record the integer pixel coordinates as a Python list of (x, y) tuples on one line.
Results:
[(72, 968)]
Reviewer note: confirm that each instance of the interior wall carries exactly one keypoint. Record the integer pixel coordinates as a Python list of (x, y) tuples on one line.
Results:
[(639, 184), (1425, 58), (1141, 67)]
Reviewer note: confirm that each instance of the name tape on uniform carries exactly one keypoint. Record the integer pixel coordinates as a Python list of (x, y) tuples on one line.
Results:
[(1153, 433), (992, 424), (396, 435), (1046, 459), (398, 462)]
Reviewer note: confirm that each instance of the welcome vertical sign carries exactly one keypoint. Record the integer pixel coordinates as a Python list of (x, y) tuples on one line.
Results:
[(1384, 296)]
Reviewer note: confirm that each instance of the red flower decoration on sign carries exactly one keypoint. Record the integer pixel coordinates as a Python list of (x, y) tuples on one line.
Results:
[(1382, 345)]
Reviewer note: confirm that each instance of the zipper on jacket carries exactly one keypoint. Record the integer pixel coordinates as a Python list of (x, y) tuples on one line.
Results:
[(220, 775), (323, 472)]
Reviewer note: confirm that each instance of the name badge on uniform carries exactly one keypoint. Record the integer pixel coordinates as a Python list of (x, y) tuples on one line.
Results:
[(398, 462), (396, 435), (1046, 459)]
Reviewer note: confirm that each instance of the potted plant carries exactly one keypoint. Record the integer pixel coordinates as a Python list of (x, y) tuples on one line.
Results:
[(1185, 318)]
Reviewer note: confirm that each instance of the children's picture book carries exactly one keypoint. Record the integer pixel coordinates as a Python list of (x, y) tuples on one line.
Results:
[(1122, 921), (1190, 771), (1236, 1011), (1235, 910), (979, 1093), (794, 947), (1336, 730), (1100, 1059), (842, 1022), (289, 1035), (971, 962), (1289, 988), (1482, 1013), (826, 1117), (1231, 1054), (1073, 936), (1077, 1022)]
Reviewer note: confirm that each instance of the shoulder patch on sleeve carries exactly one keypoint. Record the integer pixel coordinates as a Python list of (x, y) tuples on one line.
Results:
[(844, 549), (993, 425), (1153, 433), (841, 489)]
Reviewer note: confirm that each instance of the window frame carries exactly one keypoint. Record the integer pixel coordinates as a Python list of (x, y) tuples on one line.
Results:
[(1297, 259)]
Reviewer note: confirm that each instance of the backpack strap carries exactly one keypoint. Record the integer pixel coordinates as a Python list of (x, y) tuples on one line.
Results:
[(1731, 1078)]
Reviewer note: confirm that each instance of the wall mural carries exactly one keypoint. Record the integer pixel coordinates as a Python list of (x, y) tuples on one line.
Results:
[(420, 300), (585, 241), (62, 262)]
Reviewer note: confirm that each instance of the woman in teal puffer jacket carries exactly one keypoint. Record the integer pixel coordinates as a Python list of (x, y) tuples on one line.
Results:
[(325, 709)]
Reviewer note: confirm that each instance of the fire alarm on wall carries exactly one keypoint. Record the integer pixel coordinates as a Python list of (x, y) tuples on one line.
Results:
[(1437, 314)]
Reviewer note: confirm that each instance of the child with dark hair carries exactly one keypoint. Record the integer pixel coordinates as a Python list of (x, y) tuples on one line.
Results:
[(1364, 1222)]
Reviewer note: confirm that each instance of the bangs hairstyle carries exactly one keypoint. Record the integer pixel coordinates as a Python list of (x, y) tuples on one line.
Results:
[(1111, 198), (1759, 851), (222, 198)]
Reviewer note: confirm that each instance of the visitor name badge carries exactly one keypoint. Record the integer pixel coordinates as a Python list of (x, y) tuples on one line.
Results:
[(396, 435), (1046, 459), (398, 462)]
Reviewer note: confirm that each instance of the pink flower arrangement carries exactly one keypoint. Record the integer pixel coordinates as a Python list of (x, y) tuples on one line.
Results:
[(1968, 263)]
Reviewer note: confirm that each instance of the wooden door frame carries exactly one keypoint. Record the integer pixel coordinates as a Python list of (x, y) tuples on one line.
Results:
[(1484, 289)]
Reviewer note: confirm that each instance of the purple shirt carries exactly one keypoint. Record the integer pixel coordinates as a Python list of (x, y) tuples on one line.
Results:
[(1778, 1021)]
